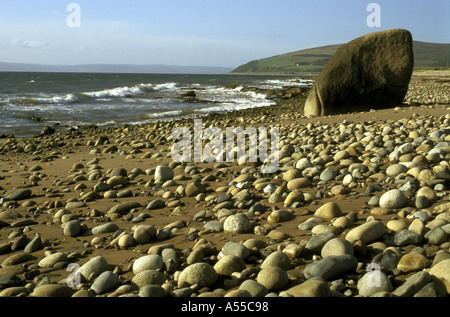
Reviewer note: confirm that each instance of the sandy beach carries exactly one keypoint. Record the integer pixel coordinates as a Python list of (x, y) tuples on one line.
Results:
[(59, 174)]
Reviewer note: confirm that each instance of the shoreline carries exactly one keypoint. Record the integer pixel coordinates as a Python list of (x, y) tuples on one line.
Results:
[(61, 171)]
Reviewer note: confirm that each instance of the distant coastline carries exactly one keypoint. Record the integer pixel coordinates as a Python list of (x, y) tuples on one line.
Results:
[(111, 68)]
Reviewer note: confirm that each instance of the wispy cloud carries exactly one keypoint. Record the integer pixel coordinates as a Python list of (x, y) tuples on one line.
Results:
[(30, 44)]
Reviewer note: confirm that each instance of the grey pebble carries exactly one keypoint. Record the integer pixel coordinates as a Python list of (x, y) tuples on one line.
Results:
[(331, 267), (405, 237), (105, 282), (72, 228), (152, 291)]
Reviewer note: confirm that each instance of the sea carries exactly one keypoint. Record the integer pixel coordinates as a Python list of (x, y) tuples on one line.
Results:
[(31, 101)]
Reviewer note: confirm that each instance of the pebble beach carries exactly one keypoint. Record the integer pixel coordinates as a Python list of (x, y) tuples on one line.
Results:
[(359, 207)]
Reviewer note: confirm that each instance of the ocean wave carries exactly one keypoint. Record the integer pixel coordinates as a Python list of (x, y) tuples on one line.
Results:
[(165, 114), (236, 105), (100, 95)]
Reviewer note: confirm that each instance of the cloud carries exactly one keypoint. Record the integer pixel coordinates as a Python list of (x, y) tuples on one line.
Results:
[(30, 44)]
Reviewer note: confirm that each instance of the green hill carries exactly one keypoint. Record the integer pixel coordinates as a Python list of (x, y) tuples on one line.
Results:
[(311, 61)]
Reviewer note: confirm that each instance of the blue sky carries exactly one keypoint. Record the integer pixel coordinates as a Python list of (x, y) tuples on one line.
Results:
[(199, 32)]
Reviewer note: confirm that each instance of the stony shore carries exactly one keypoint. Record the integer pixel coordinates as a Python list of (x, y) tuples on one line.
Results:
[(352, 192)]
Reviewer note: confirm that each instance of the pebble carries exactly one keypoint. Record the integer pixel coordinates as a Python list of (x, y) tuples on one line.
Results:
[(72, 228), (123, 208), (237, 223), (328, 211), (328, 174), (436, 236), (235, 248), (213, 226), (273, 278), (201, 274), (441, 270), (20, 194), (105, 282), (277, 259), (311, 288), (148, 277), (50, 260), (194, 188), (94, 267), (298, 183), (152, 291), (105, 228), (163, 173), (337, 246), (52, 290), (144, 233), (374, 282), (316, 243), (367, 232), (255, 288), (396, 225), (412, 262), (331, 267), (413, 285), (280, 215), (406, 237), (148, 262), (156, 204), (17, 258), (229, 264), (393, 199)]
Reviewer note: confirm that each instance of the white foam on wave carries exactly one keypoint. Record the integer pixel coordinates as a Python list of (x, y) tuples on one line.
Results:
[(166, 86), (165, 114)]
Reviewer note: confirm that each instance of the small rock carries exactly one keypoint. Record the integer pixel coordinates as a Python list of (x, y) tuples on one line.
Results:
[(442, 271), (277, 259), (235, 248), (273, 278), (152, 291), (144, 233), (280, 215), (194, 188), (163, 173), (20, 194), (52, 290), (328, 174), (201, 274), (412, 262), (328, 211), (436, 236), (316, 243), (331, 267), (34, 245), (148, 262), (105, 228), (156, 204), (105, 282), (237, 223), (148, 277), (254, 288), (50, 260), (413, 284), (94, 267), (229, 264), (337, 246), (72, 228), (406, 237), (374, 282), (367, 232), (393, 199), (310, 288)]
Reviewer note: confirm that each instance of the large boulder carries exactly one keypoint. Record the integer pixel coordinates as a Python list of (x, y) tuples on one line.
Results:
[(370, 72)]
